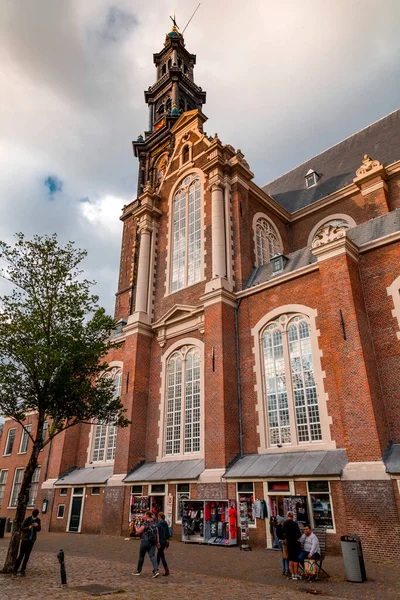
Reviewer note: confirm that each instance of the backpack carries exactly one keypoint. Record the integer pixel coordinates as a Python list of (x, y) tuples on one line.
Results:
[(280, 532), (151, 533)]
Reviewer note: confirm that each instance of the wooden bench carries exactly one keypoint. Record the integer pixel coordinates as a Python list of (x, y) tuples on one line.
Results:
[(320, 532)]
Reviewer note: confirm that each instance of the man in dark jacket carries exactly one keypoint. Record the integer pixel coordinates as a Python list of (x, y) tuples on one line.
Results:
[(292, 535), (163, 532), (30, 528)]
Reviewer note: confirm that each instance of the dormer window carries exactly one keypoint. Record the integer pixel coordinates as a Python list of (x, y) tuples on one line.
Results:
[(311, 178)]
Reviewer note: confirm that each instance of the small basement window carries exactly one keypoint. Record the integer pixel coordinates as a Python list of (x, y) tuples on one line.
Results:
[(311, 178), (95, 491), (60, 511)]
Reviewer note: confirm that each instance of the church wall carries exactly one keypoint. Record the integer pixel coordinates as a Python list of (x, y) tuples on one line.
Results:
[(379, 268), (356, 207)]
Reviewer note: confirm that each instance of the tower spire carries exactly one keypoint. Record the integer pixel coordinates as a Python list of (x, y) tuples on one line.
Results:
[(173, 93)]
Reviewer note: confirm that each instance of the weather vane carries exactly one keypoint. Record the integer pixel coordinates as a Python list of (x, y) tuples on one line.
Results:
[(173, 19)]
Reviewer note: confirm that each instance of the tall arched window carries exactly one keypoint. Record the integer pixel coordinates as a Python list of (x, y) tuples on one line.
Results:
[(267, 243), (105, 434), (186, 234), (293, 415), (182, 427)]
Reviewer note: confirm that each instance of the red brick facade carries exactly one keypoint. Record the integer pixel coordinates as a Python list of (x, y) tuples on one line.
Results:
[(356, 344)]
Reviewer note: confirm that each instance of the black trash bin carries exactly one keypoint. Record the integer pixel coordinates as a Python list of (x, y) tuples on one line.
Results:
[(353, 558), (3, 521)]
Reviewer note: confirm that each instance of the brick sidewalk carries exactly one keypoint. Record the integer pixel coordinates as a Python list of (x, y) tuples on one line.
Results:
[(198, 572)]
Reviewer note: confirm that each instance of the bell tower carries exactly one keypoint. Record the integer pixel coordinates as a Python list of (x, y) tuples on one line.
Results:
[(173, 93)]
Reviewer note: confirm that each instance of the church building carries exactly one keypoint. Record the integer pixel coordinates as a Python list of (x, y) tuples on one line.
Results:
[(257, 343)]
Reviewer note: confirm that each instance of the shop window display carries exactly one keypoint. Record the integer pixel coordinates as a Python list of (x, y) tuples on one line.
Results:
[(246, 497), (210, 522), (182, 495), (321, 504)]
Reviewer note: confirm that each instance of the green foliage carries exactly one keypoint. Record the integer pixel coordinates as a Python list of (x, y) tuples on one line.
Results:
[(53, 338)]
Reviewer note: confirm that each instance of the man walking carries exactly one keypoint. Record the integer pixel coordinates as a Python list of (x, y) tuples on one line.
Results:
[(30, 528), (164, 535), (149, 542), (292, 535)]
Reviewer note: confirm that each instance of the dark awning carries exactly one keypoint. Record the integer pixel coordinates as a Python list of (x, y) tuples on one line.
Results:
[(87, 476), (166, 471), (289, 464)]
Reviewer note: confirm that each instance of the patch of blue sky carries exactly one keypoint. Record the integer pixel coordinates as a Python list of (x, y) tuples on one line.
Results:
[(53, 184)]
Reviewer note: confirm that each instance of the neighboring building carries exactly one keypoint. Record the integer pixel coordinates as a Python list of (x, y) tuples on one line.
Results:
[(297, 284)]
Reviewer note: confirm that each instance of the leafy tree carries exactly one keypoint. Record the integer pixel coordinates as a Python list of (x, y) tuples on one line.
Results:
[(53, 340)]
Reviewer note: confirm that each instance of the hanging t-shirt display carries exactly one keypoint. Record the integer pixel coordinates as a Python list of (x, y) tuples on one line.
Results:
[(209, 521), (297, 505), (243, 523), (138, 508)]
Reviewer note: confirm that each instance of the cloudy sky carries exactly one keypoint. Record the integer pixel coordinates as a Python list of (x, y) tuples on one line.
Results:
[(284, 81)]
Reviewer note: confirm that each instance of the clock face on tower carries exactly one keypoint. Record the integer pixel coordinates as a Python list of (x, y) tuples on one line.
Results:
[(161, 168)]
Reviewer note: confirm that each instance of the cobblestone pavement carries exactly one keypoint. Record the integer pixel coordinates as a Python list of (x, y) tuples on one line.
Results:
[(197, 572)]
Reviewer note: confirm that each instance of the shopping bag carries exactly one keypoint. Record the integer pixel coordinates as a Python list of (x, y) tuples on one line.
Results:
[(310, 566)]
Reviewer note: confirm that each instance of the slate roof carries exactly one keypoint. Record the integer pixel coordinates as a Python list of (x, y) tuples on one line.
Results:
[(289, 464), (167, 471), (337, 166), (376, 228), (295, 260), (86, 476)]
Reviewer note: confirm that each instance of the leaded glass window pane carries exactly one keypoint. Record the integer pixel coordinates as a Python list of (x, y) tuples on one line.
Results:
[(192, 402), (34, 487), (16, 487), (275, 386), (304, 387), (267, 244), (186, 234), (174, 405)]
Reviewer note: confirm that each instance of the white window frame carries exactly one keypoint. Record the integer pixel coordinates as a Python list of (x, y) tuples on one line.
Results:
[(19, 483), (279, 246), (184, 399), (3, 482), (312, 178), (325, 420), (190, 177), (58, 511), (14, 429), (95, 487), (182, 346), (107, 431), (310, 507), (66, 491), (25, 439), (33, 490)]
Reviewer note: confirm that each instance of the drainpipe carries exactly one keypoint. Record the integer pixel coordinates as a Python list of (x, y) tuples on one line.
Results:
[(236, 313)]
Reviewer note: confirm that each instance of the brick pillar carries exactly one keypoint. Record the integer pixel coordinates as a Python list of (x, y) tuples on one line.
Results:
[(352, 362), (134, 396), (221, 409)]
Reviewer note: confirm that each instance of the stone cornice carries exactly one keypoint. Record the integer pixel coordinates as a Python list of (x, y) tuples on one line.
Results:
[(383, 241), (337, 245), (277, 280)]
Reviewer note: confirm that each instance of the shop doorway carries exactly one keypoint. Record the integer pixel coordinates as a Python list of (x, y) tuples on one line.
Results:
[(75, 513)]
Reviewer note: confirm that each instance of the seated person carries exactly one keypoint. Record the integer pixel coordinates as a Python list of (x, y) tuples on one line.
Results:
[(310, 546)]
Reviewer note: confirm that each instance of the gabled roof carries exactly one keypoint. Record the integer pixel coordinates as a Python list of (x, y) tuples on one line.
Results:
[(336, 167)]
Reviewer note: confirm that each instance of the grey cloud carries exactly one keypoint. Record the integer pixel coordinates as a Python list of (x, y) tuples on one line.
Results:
[(284, 81)]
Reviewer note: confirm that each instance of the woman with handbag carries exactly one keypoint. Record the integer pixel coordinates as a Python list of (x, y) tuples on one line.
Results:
[(164, 535)]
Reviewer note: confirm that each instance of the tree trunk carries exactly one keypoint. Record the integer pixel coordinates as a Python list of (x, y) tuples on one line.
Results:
[(22, 503)]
